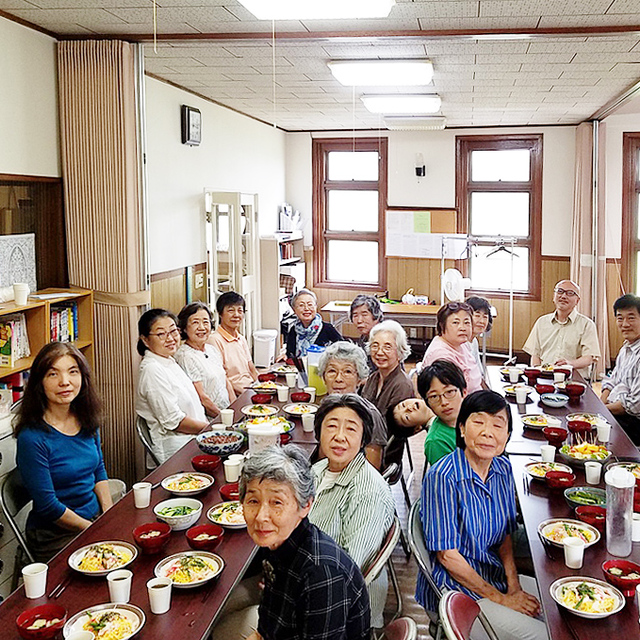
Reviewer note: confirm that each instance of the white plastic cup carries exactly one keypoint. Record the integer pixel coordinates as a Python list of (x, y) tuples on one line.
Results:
[(142, 494), (312, 392), (20, 292), (548, 453), (236, 457), (521, 395), (635, 527), (291, 379), (232, 470), (227, 416), (307, 422), (35, 579), (283, 394), (604, 431), (159, 590), (592, 471), (559, 377), (120, 585), (573, 552), (514, 375)]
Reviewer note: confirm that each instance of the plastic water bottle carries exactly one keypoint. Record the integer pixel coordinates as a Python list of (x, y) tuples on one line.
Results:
[(620, 485)]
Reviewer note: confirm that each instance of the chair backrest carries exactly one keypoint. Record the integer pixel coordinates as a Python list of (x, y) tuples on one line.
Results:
[(382, 557), (419, 548), (458, 612), (13, 498), (401, 629), (145, 437)]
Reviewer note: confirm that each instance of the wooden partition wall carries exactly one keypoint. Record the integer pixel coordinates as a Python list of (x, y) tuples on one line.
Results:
[(172, 289)]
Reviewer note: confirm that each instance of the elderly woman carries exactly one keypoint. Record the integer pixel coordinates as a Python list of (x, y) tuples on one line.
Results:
[(166, 398), (233, 346), (482, 321), (312, 588), (309, 328), (202, 362), (58, 449), (343, 367), (353, 502), (468, 513), (454, 328), (365, 312)]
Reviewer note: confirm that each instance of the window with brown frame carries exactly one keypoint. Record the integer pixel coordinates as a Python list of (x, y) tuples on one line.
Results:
[(631, 211), (349, 200), (499, 198)]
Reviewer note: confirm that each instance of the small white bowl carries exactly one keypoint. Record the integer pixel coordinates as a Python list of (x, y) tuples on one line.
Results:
[(179, 523), (554, 400)]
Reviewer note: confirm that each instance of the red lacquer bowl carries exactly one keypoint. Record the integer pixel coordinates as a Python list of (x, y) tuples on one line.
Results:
[(560, 479), (555, 436), (267, 377), (262, 398), (213, 531), (156, 543), (575, 390), (626, 584), (206, 463), (593, 515), (47, 612), (544, 388)]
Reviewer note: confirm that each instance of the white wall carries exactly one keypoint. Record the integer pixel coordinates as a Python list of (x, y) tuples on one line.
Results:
[(29, 140), (437, 189), (236, 154)]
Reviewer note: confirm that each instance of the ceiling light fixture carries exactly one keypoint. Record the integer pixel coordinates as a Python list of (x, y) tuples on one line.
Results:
[(414, 123), (412, 104), (315, 9), (379, 73)]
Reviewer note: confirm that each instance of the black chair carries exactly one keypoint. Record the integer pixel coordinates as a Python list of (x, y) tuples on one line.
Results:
[(145, 437), (14, 497)]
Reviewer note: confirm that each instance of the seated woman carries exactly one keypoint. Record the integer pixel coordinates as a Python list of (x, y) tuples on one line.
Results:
[(309, 328), (364, 313), (343, 367), (312, 588), (482, 321), (353, 502), (58, 449), (443, 387), (233, 346), (454, 326), (468, 513), (202, 362), (166, 398)]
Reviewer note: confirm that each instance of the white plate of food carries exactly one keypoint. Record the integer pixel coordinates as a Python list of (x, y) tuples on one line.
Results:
[(100, 558), (631, 467), (111, 621), (276, 421), (510, 389), (591, 418), (580, 453), (587, 597), (535, 421), (555, 530), (187, 484), (283, 369), (257, 410), (266, 387), (299, 408), (228, 515), (190, 568), (538, 470)]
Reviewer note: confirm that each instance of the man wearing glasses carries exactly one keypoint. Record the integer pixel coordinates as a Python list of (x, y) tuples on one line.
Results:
[(564, 336)]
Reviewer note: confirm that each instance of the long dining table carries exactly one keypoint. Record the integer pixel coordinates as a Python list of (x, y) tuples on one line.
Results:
[(538, 503), (194, 611)]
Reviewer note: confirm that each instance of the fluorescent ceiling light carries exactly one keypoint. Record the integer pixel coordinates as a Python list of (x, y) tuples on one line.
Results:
[(378, 73), (414, 123), (413, 104), (317, 9)]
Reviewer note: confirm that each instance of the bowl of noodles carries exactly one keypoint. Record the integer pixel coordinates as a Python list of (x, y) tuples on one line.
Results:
[(190, 568), (555, 530), (228, 515), (187, 484), (100, 558), (107, 621), (587, 597)]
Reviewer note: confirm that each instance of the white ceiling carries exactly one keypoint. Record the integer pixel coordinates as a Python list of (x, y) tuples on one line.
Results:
[(568, 59)]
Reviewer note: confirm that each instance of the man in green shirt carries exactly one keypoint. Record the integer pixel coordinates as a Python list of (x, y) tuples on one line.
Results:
[(442, 385)]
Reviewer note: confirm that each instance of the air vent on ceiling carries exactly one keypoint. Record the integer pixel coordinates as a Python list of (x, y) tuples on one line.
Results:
[(414, 123)]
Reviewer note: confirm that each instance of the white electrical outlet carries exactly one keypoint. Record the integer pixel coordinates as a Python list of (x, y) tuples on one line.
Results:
[(199, 280)]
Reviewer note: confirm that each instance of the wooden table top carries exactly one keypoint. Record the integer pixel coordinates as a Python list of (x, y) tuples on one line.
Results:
[(190, 616)]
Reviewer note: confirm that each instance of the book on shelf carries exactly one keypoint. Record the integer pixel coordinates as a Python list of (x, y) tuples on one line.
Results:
[(64, 322), (14, 340)]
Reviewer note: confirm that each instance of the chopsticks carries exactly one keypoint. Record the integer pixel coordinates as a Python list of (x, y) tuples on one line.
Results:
[(59, 588)]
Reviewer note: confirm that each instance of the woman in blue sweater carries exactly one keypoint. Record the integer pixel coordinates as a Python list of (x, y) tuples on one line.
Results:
[(58, 449)]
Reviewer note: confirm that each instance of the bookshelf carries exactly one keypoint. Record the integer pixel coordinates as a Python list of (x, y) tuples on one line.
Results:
[(38, 317)]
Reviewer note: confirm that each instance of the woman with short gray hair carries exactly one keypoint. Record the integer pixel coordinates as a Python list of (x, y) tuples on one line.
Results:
[(365, 312), (345, 352), (309, 328)]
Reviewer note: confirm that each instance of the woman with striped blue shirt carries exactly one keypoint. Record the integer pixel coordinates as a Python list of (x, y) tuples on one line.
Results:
[(469, 513), (353, 502)]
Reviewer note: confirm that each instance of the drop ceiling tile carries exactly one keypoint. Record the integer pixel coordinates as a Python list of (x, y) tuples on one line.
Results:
[(589, 21), (442, 24), (624, 6), (535, 8)]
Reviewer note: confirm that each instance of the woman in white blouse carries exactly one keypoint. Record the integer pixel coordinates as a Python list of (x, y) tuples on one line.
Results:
[(202, 362), (166, 398), (353, 502)]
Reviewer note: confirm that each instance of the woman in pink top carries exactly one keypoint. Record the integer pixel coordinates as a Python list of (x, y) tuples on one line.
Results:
[(454, 327)]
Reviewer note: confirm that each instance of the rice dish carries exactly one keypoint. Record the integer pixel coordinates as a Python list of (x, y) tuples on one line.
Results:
[(108, 625), (103, 557), (587, 597), (188, 569)]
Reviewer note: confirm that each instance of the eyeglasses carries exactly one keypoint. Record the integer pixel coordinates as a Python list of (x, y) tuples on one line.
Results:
[(385, 348), (163, 336), (345, 373), (436, 398), (305, 305), (567, 292)]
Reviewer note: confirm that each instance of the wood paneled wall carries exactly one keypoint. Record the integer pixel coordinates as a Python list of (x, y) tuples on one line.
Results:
[(169, 289)]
